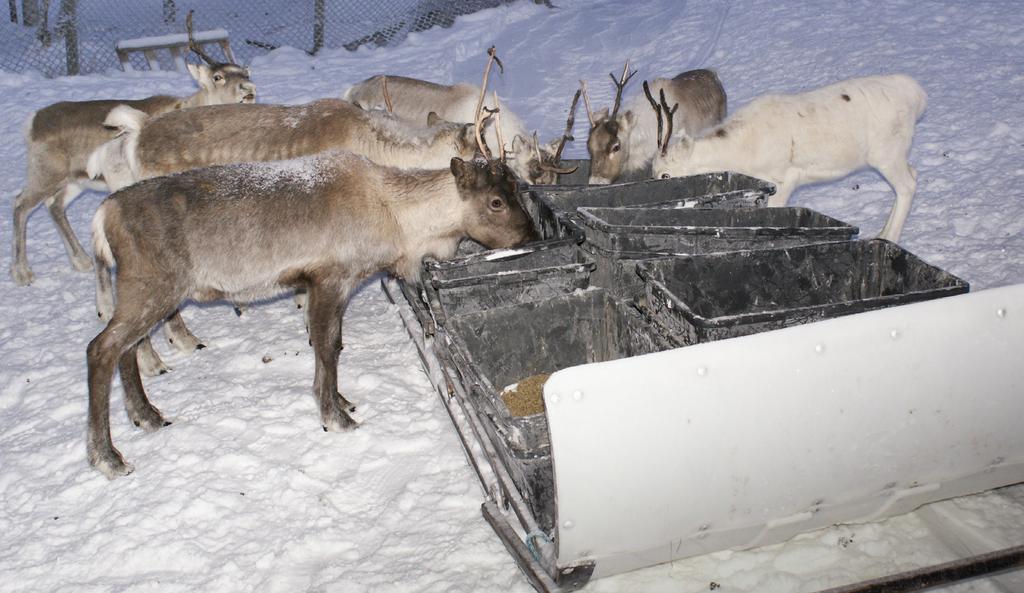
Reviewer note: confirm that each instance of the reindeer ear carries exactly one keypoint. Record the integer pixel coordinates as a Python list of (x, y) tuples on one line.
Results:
[(630, 118), (459, 168), (201, 73), (433, 119), (601, 114)]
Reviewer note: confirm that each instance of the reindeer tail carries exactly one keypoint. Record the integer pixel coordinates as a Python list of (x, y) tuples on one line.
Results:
[(104, 257), (115, 161)]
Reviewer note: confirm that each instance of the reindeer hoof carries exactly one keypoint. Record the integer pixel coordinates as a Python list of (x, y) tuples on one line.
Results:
[(340, 422), (22, 275), (110, 464), (82, 264)]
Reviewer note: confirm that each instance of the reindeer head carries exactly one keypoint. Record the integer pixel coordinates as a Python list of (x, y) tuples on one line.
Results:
[(608, 145), (493, 215), (609, 135), (544, 163), (220, 83), (223, 83), (463, 136)]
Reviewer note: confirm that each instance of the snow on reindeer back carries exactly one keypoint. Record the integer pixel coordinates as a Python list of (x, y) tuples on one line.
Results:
[(298, 174)]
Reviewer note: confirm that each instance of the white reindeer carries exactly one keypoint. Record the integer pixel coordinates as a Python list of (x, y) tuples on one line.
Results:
[(623, 144), (819, 135), (324, 223)]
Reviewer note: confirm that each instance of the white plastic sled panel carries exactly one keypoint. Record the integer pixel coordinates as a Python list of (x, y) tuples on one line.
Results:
[(751, 440)]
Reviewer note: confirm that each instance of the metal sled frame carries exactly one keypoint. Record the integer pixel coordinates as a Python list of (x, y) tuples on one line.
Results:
[(949, 345)]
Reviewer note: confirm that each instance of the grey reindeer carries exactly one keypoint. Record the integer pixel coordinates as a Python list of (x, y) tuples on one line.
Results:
[(225, 134), (625, 143), (324, 223), (61, 137)]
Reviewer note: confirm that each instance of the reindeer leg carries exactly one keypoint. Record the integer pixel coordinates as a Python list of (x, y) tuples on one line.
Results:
[(903, 179), (140, 411), (178, 334), (783, 190), (57, 207), (136, 313), (24, 204), (326, 306), (150, 363)]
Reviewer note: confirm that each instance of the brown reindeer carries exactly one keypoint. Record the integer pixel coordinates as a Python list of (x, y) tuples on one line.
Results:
[(61, 137), (220, 233), (624, 143)]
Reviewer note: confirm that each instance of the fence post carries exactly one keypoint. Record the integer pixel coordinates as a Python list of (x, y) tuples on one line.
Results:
[(29, 12), (43, 31), (68, 23), (318, 25)]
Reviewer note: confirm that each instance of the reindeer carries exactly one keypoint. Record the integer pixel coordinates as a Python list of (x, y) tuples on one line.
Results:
[(413, 99), (623, 144), (219, 233), (60, 138), (820, 135), (224, 134)]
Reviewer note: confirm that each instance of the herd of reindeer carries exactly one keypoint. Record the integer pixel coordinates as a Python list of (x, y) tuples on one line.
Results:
[(219, 197)]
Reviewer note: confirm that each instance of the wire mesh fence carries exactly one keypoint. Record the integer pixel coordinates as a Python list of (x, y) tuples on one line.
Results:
[(58, 37)]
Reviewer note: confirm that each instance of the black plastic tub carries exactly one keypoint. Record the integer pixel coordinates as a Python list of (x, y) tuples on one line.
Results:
[(702, 298), (550, 207), (499, 347), (505, 277), (644, 232)]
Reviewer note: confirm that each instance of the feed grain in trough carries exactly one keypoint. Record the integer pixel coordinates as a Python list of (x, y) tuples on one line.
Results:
[(502, 346)]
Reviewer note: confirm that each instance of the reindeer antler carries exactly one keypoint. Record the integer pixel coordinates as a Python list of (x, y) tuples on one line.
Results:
[(619, 85), (668, 115), (566, 136), (192, 45), (387, 97), (497, 125), (480, 118), (586, 102), (657, 111)]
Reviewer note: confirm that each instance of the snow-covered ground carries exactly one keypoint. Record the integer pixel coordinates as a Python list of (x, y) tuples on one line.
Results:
[(245, 492)]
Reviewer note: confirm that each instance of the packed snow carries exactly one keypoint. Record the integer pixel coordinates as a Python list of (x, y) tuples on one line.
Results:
[(245, 492)]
